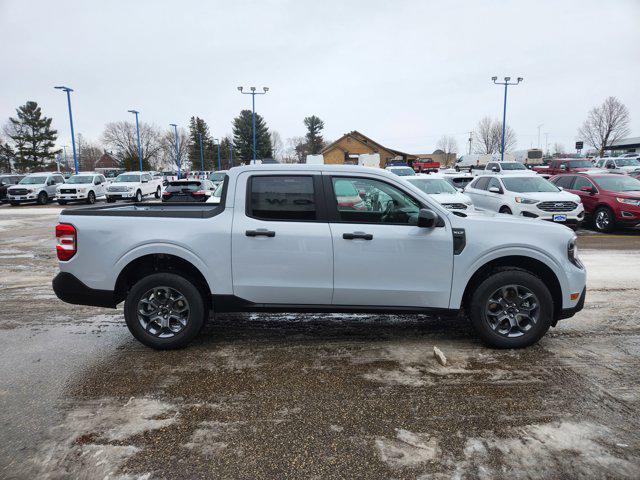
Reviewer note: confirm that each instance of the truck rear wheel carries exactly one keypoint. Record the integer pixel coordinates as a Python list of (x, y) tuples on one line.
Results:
[(164, 311), (512, 308)]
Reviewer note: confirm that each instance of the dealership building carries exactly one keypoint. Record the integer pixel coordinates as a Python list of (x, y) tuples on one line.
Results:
[(624, 145)]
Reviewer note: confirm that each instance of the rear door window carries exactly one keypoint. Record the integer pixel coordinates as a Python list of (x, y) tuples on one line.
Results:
[(581, 182), (564, 181), (283, 198), (481, 183), (494, 183)]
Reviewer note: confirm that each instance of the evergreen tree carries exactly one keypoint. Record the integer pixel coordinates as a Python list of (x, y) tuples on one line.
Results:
[(243, 137), (315, 142), (225, 142), (7, 155), (199, 126), (33, 137)]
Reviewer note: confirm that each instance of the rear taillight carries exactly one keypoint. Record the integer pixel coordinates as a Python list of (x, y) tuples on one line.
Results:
[(166, 194), (199, 193), (67, 241)]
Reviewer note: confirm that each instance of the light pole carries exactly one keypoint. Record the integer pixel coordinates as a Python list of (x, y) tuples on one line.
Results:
[(230, 154), (217, 142), (175, 129), (135, 112), (504, 111), (73, 137), (253, 94), (66, 163), (201, 152), (539, 134)]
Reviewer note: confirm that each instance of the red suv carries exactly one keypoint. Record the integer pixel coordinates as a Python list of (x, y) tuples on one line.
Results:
[(609, 199)]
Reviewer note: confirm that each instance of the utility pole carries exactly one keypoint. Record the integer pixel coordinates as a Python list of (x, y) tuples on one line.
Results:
[(546, 142), (470, 140), (539, 134)]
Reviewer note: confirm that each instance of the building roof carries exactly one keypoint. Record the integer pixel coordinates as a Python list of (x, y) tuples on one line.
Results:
[(359, 137), (107, 161), (630, 142)]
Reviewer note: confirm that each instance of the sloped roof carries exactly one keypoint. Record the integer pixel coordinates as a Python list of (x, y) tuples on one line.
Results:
[(107, 161), (367, 141)]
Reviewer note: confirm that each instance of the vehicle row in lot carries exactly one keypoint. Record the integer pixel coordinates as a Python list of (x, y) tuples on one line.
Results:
[(623, 165)]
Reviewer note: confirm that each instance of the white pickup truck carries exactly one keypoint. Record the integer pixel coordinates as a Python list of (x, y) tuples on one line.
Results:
[(134, 186), (296, 238)]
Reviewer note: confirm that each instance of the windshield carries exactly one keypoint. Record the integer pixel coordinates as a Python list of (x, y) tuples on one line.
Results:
[(433, 186), (619, 183), (580, 164), (513, 166), (81, 179), (33, 180), (529, 184), (182, 186), (217, 176), (403, 171), (628, 162), (127, 178), (535, 154)]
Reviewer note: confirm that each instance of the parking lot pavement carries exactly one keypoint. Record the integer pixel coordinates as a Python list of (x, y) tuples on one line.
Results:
[(313, 396)]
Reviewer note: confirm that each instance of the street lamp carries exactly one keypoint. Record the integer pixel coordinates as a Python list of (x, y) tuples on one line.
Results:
[(506, 83), (175, 128), (135, 112), (253, 94), (73, 137), (217, 142)]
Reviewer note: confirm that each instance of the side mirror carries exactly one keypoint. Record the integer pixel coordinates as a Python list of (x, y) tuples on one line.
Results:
[(494, 190), (51, 183), (587, 189), (427, 218), (145, 181), (610, 166), (97, 182), (563, 167), (495, 169)]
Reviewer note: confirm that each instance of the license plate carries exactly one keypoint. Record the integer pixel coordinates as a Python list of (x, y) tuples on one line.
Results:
[(559, 218)]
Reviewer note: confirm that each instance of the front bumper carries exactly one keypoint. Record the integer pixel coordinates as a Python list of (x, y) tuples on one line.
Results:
[(570, 312), (573, 217), (70, 289), (121, 195), (31, 197), (69, 197)]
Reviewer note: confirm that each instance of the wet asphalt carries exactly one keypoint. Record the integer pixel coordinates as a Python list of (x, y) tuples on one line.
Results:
[(313, 396)]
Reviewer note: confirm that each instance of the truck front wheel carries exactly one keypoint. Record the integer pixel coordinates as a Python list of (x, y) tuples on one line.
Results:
[(512, 308), (164, 311)]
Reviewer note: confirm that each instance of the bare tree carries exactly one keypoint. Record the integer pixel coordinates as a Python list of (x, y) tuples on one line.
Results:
[(121, 137), (296, 151), (449, 146), (488, 137), (605, 124), (277, 147), (89, 153), (558, 149)]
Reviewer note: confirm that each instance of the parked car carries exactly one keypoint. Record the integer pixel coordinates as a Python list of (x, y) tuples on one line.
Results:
[(401, 171), (218, 176), (188, 191), (507, 168), (5, 182), (442, 192), (567, 165), (420, 165), (35, 187), (609, 199), (624, 165), (217, 194), (528, 196), (133, 186), (458, 179), (293, 248), (84, 187)]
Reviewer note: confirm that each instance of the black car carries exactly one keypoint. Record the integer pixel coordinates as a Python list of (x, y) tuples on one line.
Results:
[(5, 182), (188, 191)]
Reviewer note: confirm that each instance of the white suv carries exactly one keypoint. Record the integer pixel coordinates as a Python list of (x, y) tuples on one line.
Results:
[(35, 187), (84, 186), (507, 168), (527, 196), (134, 186), (442, 192)]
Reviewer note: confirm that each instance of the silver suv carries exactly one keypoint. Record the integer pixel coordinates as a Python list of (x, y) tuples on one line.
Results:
[(35, 187)]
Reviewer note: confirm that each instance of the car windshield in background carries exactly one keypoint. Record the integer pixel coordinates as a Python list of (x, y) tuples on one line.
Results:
[(580, 164), (217, 177), (628, 162), (619, 183), (81, 179), (182, 186), (460, 182), (218, 191), (33, 180), (433, 186), (403, 171), (529, 184), (127, 179), (513, 166)]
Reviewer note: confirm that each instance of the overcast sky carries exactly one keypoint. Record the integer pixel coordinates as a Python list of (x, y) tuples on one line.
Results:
[(401, 72)]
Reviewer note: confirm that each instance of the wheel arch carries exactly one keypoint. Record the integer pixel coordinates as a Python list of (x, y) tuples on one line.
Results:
[(521, 262), (145, 265)]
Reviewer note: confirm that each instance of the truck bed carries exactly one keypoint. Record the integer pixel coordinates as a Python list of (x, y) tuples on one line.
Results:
[(173, 210)]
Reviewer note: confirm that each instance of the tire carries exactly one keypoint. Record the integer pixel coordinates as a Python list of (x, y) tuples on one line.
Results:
[(91, 197), (138, 197), (502, 333), (155, 287), (62, 202), (604, 220), (110, 200), (158, 192), (14, 204), (43, 198), (506, 210)]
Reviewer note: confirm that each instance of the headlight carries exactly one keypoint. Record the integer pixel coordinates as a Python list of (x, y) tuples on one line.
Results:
[(526, 201), (130, 188), (628, 201), (82, 190), (572, 253)]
